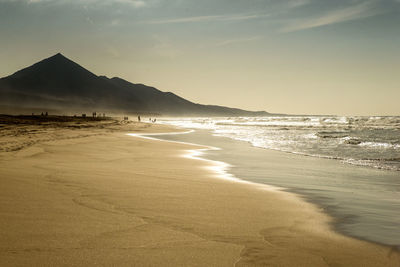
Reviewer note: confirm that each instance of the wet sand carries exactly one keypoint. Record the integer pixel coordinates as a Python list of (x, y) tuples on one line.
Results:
[(95, 195)]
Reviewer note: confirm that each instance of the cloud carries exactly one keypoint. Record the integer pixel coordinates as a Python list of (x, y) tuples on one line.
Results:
[(89, 20), (207, 18), (115, 22), (132, 3), (298, 3), (238, 40), (353, 12)]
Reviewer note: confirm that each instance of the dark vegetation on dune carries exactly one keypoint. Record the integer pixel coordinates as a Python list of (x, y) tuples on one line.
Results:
[(61, 84)]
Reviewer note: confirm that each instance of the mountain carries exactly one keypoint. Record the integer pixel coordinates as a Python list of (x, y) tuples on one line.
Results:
[(58, 83)]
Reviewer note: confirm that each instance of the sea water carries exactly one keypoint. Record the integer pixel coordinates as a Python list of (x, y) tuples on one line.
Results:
[(366, 141), (348, 166)]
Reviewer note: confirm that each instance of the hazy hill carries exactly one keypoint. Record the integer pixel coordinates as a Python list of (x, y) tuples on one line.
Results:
[(58, 83)]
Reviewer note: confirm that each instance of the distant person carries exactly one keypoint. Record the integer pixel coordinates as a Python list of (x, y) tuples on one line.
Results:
[(138, 118)]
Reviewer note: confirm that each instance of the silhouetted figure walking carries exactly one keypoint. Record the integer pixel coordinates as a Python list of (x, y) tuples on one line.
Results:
[(138, 118)]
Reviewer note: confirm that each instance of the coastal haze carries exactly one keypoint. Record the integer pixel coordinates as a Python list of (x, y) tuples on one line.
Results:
[(64, 87)]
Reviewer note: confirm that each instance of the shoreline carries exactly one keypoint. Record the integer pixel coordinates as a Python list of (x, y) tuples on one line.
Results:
[(222, 172), (336, 219), (114, 199), (220, 168)]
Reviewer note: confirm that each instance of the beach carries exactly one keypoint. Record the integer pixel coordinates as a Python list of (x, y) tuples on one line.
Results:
[(94, 195)]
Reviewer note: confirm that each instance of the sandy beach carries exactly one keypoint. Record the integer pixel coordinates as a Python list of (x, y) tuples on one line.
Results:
[(89, 194)]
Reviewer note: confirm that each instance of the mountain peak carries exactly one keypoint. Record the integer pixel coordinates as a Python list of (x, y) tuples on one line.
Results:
[(59, 55), (55, 67)]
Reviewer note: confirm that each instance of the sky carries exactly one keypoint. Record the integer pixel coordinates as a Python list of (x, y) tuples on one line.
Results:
[(283, 56)]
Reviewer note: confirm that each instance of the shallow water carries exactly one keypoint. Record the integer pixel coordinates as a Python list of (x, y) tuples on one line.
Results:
[(364, 202)]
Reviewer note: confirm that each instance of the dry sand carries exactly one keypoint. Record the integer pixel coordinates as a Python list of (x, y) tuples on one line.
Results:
[(96, 196)]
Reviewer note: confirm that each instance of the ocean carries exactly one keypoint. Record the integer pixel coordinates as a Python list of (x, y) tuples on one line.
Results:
[(347, 166)]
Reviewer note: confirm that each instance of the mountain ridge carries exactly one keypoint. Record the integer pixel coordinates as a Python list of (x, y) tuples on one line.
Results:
[(57, 82)]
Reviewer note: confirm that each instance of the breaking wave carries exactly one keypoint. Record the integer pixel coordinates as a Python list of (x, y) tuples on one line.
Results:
[(365, 141)]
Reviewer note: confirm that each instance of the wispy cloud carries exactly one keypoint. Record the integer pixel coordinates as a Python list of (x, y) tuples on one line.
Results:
[(298, 3), (238, 40), (133, 3), (207, 18), (88, 19), (353, 12)]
